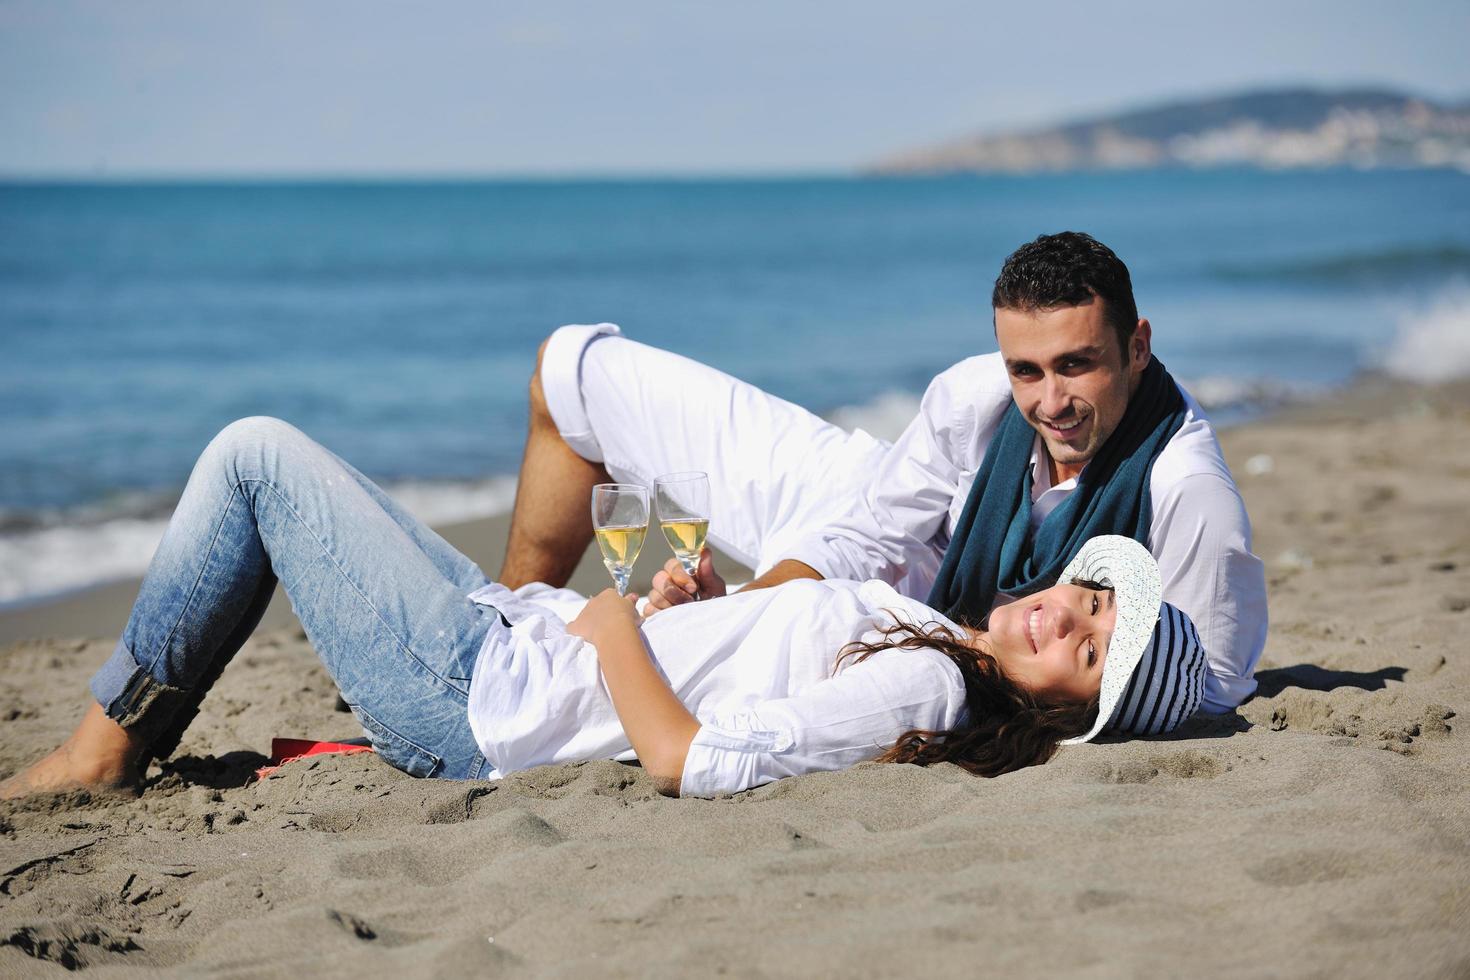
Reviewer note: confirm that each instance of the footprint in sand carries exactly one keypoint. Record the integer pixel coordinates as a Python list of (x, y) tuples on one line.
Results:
[(73, 945), (29, 873)]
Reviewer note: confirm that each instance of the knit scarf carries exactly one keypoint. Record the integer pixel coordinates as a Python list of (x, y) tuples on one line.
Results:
[(993, 550)]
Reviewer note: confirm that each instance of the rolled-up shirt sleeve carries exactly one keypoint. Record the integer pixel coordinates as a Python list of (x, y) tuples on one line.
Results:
[(849, 718), (897, 525)]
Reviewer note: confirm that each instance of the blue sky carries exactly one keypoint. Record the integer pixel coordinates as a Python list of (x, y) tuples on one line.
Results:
[(371, 88)]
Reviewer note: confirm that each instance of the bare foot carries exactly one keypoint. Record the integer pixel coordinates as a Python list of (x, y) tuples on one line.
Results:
[(99, 755), (62, 770)]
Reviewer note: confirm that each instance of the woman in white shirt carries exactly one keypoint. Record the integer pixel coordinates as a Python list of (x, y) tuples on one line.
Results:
[(453, 676)]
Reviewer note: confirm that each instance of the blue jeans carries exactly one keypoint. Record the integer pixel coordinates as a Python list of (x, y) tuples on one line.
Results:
[(382, 599)]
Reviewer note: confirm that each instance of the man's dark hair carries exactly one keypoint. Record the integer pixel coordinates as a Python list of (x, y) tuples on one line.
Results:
[(1068, 269)]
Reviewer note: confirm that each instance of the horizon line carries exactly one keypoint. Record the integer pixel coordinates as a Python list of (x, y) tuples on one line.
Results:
[(416, 176)]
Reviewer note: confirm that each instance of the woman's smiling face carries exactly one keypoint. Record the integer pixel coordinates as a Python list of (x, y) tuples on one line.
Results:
[(1054, 643)]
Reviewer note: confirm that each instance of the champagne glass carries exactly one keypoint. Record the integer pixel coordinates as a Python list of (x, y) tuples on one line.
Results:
[(620, 520), (683, 514)]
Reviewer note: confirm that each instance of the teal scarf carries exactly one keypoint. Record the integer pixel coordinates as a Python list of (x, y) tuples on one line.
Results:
[(993, 551)]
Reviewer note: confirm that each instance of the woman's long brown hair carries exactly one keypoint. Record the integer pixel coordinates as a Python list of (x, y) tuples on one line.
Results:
[(1007, 727)]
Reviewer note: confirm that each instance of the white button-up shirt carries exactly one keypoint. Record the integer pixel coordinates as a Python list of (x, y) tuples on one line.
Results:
[(897, 529), (756, 669)]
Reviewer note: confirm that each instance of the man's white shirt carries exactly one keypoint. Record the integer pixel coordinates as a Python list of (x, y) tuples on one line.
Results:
[(898, 527)]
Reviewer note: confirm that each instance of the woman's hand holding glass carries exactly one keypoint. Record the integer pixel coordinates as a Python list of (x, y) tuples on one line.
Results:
[(604, 613)]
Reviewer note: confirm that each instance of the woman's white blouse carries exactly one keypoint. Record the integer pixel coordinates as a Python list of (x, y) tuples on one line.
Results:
[(755, 668)]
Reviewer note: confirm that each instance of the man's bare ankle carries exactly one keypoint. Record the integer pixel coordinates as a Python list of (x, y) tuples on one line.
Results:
[(103, 771)]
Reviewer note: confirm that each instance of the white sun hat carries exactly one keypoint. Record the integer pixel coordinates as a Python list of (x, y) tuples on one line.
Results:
[(1154, 674)]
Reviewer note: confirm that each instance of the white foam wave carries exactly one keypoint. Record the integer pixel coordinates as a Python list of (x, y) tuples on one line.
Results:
[(1223, 393), (442, 502), (50, 560), (60, 557), (1433, 345), (884, 417)]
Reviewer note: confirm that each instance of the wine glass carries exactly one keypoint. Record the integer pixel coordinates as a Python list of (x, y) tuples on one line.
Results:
[(683, 514), (620, 520)]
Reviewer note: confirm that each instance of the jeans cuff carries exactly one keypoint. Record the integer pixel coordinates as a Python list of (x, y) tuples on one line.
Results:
[(134, 698)]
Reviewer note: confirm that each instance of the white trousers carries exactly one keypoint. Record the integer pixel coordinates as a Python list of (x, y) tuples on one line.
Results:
[(776, 471)]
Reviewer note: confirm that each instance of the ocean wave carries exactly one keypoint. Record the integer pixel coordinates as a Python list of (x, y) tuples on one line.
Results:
[(1249, 396), (135, 505), (48, 553), (1374, 265), (884, 417), (1433, 344)]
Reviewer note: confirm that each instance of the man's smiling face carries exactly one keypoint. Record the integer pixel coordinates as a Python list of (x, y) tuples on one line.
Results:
[(1070, 376)]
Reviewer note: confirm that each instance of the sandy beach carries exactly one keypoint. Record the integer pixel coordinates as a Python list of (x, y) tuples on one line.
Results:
[(1321, 830)]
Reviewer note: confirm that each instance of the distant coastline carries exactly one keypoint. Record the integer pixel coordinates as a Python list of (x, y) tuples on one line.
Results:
[(1274, 129)]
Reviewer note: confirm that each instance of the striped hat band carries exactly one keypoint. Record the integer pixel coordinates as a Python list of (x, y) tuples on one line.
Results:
[(1154, 674)]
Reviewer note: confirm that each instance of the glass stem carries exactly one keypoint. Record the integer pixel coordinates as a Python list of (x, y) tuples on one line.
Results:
[(620, 575), (692, 567)]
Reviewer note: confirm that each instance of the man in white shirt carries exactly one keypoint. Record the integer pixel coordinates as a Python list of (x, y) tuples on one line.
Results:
[(796, 497)]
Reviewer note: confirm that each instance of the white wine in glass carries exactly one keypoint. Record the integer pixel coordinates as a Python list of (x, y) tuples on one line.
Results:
[(683, 514), (620, 521)]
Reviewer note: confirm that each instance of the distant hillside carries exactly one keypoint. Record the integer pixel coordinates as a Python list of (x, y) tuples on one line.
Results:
[(1274, 129)]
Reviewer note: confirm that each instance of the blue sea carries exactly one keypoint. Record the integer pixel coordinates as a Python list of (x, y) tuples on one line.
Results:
[(397, 322)]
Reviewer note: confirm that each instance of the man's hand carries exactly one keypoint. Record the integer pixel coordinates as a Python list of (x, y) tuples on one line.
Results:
[(605, 614), (673, 586)]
